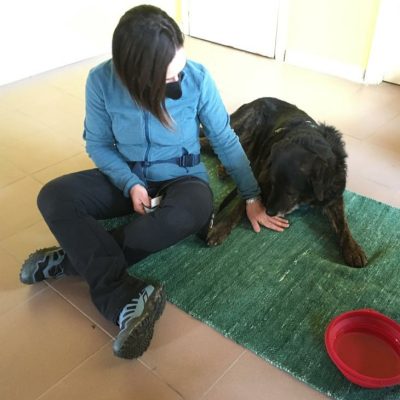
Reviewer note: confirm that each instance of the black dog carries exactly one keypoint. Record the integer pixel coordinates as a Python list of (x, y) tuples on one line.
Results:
[(295, 161)]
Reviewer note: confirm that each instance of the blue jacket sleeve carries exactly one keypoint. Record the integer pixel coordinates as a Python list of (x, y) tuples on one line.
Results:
[(100, 144), (215, 120)]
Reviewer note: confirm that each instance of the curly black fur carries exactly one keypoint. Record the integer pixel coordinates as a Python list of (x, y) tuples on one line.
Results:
[(295, 161)]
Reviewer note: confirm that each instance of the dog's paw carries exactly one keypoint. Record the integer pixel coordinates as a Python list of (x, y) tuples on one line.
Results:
[(354, 255), (217, 235)]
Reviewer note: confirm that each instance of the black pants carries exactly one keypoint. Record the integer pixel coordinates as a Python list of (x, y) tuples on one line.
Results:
[(72, 205)]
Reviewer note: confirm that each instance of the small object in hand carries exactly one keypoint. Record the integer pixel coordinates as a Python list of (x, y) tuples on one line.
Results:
[(155, 202), (365, 346)]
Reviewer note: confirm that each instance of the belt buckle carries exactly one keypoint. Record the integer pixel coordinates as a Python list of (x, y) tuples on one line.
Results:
[(186, 160)]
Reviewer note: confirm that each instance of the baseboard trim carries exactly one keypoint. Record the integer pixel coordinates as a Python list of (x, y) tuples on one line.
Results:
[(324, 65)]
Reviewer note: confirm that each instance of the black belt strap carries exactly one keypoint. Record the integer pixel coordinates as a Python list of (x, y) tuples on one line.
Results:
[(187, 160)]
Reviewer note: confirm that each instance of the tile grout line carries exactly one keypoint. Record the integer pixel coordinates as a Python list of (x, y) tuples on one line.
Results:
[(31, 174), (160, 378), (365, 142), (378, 129), (72, 370), (15, 233), (393, 192), (223, 374), (78, 309), (90, 357), (108, 334), (15, 180), (202, 396), (23, 302)]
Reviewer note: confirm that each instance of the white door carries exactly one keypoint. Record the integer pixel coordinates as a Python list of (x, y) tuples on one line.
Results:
[(249, 25)]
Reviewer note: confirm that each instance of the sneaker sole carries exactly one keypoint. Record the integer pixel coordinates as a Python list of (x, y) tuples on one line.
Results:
[(136, 340)]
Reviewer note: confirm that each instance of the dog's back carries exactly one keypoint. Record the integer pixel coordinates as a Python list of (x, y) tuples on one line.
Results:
[(263, 117), (295, 161)]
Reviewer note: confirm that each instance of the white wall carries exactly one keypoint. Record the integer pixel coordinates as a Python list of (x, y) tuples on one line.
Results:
[(39, 35), (332, 36)]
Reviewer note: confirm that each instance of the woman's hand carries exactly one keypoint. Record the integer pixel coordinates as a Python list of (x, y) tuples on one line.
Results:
[(140, 198), (257, 215)]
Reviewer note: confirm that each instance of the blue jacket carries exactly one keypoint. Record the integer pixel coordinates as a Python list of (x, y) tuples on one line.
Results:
[(117, 131)]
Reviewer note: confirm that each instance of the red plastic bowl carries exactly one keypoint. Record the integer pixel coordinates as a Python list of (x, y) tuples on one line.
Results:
[(365, 346)]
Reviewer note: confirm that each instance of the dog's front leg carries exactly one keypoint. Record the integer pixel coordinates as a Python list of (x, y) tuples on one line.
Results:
[(225, 221), (353, 254), (205, 145)]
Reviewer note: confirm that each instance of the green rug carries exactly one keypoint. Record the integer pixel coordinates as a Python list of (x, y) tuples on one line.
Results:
[(275, 293)]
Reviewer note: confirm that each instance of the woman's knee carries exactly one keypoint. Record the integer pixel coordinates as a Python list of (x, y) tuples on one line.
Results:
[(53, 197), (201, 204), (193, 205)]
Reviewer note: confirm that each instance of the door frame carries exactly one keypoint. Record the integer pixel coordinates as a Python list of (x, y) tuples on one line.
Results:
[(378, 62)]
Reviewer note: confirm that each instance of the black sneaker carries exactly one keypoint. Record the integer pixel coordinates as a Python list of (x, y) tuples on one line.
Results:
[(42, 264), (137, 320)]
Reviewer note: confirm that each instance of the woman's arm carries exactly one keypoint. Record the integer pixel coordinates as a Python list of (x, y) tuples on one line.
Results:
[(100, 143), (226, 144), (215, 120)]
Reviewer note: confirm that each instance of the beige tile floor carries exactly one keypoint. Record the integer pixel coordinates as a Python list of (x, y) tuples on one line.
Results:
[(54, 344)]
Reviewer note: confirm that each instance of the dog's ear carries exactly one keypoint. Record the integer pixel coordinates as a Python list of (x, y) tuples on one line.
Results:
[(317, 178), (323, 161), (321, 149)]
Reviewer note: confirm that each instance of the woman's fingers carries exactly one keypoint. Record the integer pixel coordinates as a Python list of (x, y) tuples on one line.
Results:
[(257, 216), (275, 223), (255, 225), (140, 198)]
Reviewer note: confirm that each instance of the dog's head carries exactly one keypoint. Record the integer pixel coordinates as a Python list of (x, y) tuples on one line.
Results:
[(298, 171)]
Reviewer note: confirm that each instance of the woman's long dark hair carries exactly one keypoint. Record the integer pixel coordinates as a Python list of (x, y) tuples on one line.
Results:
[(144, 43)]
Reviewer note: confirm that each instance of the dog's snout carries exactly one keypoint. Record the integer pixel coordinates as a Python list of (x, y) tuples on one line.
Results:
[(271, 212)]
